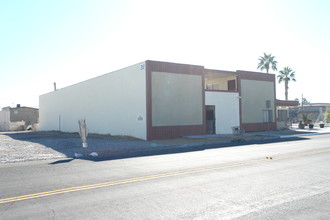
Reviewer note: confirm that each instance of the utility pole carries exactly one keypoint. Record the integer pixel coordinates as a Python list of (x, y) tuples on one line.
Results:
[(302, 102)]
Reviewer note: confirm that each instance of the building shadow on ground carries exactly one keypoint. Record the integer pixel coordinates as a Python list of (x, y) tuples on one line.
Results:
[(176, 150), (69, 144)]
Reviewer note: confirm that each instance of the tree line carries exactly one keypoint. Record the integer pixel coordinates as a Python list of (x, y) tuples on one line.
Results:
[(267, 61)]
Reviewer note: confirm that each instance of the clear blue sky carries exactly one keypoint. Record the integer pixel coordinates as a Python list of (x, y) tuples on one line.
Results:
[(68, 41)]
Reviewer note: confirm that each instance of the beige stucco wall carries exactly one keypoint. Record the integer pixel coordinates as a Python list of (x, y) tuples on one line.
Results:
[(281, 125), (114, 103), (254, 95), (177, 99), (221, 81), (226, 110)]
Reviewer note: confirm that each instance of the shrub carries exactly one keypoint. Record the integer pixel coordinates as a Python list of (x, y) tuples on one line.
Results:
[(327, 116)]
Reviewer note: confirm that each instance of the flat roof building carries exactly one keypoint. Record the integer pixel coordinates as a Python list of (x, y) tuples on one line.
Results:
[(160, 100)]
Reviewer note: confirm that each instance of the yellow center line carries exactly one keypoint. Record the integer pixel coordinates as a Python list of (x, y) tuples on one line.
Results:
[(300, 154), (157, 176)]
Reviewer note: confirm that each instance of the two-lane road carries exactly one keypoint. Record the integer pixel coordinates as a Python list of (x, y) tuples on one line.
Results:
[(289, 179)]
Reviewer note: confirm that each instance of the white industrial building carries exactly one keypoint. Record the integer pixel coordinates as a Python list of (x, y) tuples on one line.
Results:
[(157, 100)]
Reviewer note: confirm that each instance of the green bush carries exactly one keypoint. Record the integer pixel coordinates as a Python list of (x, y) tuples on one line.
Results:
[(327, 116), (305, 118)]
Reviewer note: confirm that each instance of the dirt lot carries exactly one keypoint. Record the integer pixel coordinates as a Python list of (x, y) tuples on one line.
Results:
[(27, 146)]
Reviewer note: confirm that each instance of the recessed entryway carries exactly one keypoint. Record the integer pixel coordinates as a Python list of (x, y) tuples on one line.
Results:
[(210, 119)]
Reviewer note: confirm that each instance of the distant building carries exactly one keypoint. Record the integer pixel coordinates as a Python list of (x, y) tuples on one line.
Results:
[(19, 118), (5, 120), (315, 111), (160, 100)]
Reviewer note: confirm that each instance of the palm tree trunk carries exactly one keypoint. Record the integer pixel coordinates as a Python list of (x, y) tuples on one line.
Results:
[(286, 90)]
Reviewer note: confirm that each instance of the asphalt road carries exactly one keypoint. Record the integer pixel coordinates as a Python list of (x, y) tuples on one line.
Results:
[(282, 180)]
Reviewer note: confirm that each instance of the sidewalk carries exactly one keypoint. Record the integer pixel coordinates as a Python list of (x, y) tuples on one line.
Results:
[(195, 142)]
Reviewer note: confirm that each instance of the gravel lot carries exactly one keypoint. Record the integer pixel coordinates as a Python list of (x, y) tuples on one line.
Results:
[(27, 146)]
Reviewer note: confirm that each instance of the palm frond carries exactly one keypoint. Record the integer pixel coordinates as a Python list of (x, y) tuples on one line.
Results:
[(286, 75), (266, 61)]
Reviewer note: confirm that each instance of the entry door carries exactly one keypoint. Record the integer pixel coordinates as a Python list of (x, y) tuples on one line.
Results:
[(210, 119), (231, 85)]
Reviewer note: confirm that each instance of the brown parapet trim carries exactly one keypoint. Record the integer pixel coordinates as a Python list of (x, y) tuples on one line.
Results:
[(178, 131), (148, 100), (291, 103), (240, 100), (157, 66), (274, 108), (256, 76), (213, 90), (170, 132), (256, 127), (166, 132), (220, 72), (203, 105)]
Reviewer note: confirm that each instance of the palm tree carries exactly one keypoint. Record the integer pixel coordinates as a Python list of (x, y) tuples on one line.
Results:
[(267, 61), (286, 75)]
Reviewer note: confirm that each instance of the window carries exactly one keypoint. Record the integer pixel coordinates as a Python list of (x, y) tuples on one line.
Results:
[(231, 85), (213, 86), (268, 115), (282, 115)]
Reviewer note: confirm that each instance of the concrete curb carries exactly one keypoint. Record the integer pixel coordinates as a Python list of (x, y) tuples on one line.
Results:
[(302, 135), (173, 148), (189, 146)]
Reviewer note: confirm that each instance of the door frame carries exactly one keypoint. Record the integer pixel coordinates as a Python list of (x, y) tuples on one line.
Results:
[(210, 124)]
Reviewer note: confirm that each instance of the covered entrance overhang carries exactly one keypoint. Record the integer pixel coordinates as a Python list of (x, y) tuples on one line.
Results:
[(282, 112)]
